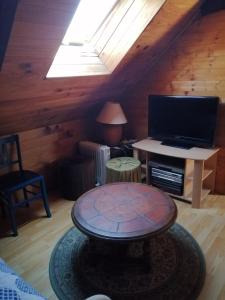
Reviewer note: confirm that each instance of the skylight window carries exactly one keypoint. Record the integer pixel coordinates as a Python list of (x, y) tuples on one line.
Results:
[(100, 34), (87, 19)]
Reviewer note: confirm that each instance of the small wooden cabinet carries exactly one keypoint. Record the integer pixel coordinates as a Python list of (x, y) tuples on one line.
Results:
[(199, 167)]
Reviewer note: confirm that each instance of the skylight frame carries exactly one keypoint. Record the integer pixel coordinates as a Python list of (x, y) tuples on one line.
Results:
[(126, 22)]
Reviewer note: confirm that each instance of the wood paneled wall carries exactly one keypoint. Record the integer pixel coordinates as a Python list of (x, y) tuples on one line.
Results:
[(44, 148), (28, 100), (51, 115), (195, 65)]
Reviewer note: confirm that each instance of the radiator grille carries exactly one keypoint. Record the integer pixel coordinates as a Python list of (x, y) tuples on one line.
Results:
[(100, 154)]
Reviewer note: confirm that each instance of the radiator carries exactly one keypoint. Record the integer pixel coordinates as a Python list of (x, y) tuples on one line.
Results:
[(100, 154)]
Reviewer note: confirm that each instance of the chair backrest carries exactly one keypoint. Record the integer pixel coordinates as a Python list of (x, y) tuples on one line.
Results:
[(10, 154)]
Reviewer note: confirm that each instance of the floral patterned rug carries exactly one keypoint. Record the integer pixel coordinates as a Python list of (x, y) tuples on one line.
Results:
[(168, 266)]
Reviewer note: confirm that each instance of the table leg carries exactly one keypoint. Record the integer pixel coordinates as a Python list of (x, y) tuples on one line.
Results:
[(121, 257), (147, 166), (197, 183), (135, 154)]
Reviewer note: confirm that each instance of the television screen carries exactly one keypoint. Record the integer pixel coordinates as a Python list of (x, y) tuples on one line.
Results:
[(183, 121)]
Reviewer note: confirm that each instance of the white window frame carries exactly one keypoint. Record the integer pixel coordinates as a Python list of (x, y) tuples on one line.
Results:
[(111, 42)]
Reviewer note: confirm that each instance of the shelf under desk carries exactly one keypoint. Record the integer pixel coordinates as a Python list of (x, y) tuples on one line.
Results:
[(198, 155)]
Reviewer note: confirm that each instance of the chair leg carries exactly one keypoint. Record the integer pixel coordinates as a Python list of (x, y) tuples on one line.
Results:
[(45, 198), (3, 209), (25, 196), (11, 210)]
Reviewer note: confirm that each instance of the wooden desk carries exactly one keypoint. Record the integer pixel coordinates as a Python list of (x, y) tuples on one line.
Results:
[(204, 166), (124, 211)]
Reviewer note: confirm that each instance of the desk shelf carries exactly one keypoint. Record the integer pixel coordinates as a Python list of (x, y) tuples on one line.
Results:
[(188, 197), (199, 170), (206, 173)]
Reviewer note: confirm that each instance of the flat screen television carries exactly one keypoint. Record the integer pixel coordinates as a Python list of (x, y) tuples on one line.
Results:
[(183, 121)]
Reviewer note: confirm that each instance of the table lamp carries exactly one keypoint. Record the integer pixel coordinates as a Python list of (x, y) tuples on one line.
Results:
[(112, 118)]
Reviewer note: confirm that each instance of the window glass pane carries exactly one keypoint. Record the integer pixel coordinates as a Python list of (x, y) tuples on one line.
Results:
[(88, 17)]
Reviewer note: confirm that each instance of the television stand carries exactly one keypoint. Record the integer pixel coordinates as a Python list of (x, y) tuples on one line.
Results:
[(177, 144), (199, 167)]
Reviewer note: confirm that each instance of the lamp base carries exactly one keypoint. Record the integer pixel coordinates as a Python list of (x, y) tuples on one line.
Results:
[(112, 134)]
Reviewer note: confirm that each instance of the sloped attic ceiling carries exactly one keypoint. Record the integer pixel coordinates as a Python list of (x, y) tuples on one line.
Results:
[(28, 100)]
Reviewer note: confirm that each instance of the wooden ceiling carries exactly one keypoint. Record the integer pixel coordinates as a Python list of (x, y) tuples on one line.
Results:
[(28, 100)]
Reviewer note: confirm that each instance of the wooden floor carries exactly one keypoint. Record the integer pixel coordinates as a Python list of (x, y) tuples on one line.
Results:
[(29, 253)]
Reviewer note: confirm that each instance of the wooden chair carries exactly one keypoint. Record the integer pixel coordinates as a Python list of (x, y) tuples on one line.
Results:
[(13, 179)]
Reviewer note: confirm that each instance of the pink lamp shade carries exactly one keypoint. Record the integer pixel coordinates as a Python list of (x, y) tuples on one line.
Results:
[(112, 113), (112, 118)]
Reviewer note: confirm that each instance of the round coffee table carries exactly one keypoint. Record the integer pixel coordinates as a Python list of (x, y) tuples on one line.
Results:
[(124, 211), (122, 221)]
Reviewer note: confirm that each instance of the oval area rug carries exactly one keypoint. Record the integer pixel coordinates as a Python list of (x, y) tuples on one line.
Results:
[(172, 268)]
